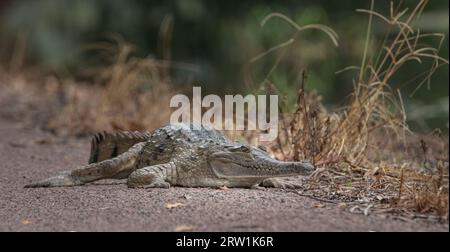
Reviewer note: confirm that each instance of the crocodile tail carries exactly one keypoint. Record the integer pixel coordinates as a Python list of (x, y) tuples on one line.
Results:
[(106, 145)]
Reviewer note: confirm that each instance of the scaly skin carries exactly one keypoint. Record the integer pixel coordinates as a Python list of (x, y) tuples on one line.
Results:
[(177, 155)]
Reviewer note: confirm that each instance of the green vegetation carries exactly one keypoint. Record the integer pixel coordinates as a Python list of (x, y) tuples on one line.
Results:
[(218, 39)]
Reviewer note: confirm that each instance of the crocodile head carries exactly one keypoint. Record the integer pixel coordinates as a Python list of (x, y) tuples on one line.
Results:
[(243, 161)]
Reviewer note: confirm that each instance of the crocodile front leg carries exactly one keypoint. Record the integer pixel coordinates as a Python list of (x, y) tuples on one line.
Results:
[(150, 176), (110, 168), (280, 183)]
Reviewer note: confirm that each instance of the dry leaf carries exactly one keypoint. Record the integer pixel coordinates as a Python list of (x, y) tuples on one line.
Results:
[(342, 205), (183, 228), (173, 205), (367, 209), (353, 209), (223, 188), (42, 141), (26, 222)]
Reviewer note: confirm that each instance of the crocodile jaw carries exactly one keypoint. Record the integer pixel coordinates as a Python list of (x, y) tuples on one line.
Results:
[(255, 164)]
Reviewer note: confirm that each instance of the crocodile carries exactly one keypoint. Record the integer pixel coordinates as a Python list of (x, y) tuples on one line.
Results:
[(179, 155)]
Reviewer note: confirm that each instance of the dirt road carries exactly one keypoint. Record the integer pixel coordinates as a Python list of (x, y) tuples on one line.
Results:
[(29, 154)]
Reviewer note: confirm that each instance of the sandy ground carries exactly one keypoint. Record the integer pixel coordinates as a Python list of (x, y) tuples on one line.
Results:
[(29, 154)]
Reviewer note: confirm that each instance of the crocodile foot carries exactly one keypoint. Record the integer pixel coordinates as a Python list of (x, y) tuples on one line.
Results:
[(158, 184), (280, 183)]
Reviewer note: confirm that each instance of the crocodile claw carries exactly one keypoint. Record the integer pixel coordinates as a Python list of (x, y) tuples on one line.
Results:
[(280, 183), (158, 184)]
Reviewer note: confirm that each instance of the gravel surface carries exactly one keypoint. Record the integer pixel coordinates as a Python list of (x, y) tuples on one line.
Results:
[(29, 154)]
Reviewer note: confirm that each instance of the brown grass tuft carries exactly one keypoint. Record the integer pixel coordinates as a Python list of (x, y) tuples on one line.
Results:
[(130, 93), (365, 151)]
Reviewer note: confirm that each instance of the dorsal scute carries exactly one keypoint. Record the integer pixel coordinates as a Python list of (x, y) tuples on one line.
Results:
[(105, 145), (193, 133)]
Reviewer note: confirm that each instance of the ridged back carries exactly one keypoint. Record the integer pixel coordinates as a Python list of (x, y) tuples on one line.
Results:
[(106, 145)]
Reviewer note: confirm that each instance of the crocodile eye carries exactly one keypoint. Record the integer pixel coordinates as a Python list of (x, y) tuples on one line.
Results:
[(241, 148), (244, 148), (262, 147)]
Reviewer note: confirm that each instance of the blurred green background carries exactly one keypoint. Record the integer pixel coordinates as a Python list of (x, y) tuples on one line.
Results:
[(219, 38)]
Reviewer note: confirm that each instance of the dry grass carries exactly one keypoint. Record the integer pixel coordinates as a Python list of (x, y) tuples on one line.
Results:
[(130, 93), (346, 144), (127, 93)]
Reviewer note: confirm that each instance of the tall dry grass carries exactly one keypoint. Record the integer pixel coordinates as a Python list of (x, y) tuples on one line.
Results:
[(129, 93), (345, 144)]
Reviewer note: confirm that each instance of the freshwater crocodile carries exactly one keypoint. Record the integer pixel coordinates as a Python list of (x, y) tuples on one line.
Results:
[(178, 155)]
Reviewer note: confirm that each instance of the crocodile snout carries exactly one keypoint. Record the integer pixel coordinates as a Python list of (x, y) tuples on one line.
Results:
[(308, 168)]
